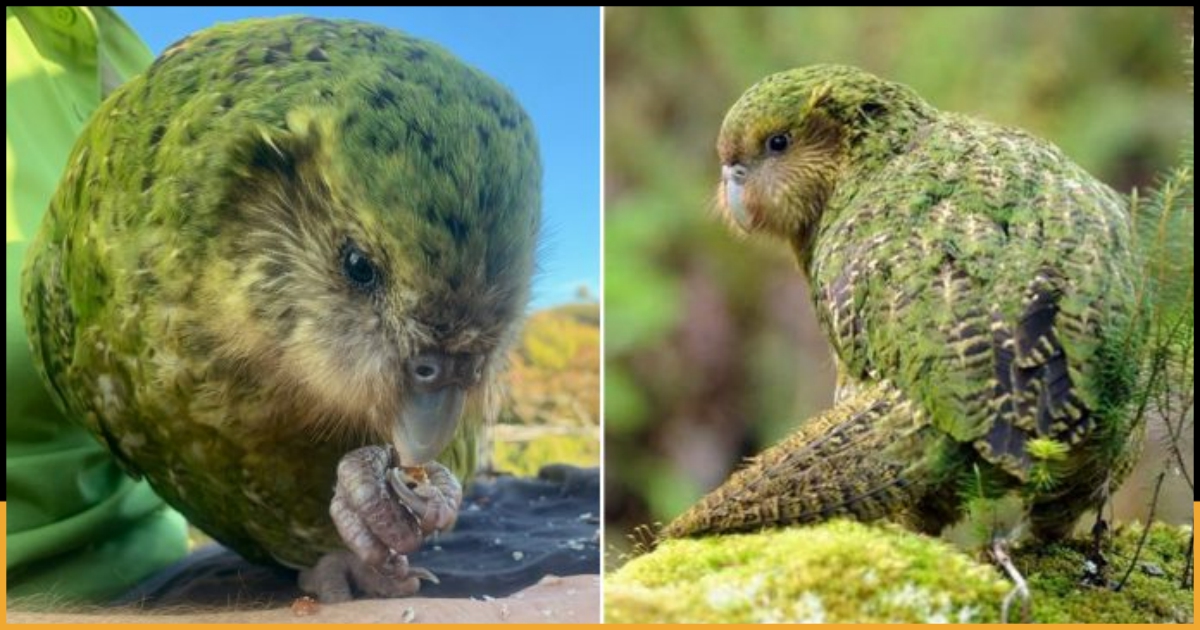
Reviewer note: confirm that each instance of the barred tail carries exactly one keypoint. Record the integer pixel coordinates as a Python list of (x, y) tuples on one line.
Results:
[(855, 460)]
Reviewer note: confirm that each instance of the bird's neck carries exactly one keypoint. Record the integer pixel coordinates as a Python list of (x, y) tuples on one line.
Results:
[(867, 152), (802, 246)]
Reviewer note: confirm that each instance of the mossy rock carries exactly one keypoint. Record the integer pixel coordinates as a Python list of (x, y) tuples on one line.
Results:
[(849, 572), (837, 572)]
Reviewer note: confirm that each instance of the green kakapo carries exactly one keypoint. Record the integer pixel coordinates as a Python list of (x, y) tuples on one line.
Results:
[(980, 292), (288, 239)]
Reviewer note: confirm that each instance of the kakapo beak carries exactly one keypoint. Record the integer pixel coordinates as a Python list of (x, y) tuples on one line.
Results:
[(734, 178), (427, 423)]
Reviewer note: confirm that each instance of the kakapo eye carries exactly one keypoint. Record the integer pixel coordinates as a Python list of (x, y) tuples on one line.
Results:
[(358, 268), (779, 142)]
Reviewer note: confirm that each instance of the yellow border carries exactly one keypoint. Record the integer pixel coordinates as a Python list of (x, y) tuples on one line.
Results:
[(4, 552)]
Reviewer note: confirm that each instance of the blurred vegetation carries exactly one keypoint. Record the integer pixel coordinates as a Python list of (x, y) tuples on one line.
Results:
[(551, 413), (524, 456), (711, 347)]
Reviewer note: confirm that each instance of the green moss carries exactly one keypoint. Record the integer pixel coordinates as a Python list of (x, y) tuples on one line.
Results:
[(837, 572), (849, 572), (1054, 571)]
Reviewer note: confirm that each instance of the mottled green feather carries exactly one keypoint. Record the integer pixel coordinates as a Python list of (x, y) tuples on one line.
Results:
[(185, 295), (973, 271)]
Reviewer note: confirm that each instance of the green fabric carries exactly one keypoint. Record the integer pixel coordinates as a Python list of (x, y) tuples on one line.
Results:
[(78, 527)]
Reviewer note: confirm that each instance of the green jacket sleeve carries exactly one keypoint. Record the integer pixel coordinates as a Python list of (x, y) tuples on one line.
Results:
[(78, 527)]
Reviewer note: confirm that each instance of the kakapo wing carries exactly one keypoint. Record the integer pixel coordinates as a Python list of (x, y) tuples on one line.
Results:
[(992, 280)]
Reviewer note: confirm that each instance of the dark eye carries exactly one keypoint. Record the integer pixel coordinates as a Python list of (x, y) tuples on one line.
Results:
[(778, 143), (358, 268)]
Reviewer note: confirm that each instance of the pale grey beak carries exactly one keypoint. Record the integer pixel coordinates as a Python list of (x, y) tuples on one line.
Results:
[(734, 177), (436, 394), (426, 425)]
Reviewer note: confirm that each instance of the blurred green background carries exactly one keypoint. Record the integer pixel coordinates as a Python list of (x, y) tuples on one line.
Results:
[(712, 352)]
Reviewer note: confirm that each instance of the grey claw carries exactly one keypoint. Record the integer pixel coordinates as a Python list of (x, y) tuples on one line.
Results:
[(423, 574)]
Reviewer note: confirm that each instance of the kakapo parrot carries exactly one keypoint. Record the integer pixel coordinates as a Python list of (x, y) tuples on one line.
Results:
[(979, 290), (279, 279)]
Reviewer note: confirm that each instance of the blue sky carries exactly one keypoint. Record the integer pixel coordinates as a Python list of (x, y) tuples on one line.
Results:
[(549, 58)]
